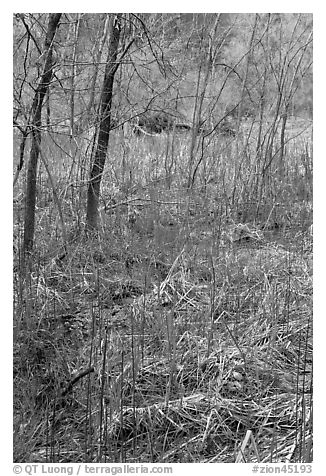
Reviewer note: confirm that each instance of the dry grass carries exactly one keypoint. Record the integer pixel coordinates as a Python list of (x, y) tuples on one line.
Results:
[(181, 332)]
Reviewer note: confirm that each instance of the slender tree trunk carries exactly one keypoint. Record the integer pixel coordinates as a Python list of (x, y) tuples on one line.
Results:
[(281, 170), (104, 124), (73, 75), (40, 94), (98, 59)]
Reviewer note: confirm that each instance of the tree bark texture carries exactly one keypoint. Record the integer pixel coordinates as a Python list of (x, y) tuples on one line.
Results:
[(104, 124), (40, 93)]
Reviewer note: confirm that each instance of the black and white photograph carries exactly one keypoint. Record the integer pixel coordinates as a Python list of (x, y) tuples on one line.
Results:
[(162, 239)]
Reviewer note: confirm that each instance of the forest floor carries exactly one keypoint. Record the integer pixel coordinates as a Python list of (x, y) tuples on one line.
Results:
[(180, 332), (189, 337)]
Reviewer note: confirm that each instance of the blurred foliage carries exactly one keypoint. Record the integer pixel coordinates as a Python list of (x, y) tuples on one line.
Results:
[(167, 64)]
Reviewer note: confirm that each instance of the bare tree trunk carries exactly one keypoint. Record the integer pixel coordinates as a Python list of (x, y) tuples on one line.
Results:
[(105, 121), (100, 47), (281, 170), (73, 75), (40, 93)]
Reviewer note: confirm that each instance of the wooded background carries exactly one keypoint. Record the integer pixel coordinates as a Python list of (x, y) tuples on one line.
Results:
[(162, 237)]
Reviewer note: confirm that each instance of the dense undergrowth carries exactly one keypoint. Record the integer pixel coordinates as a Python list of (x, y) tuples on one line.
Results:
[(182, 330)]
